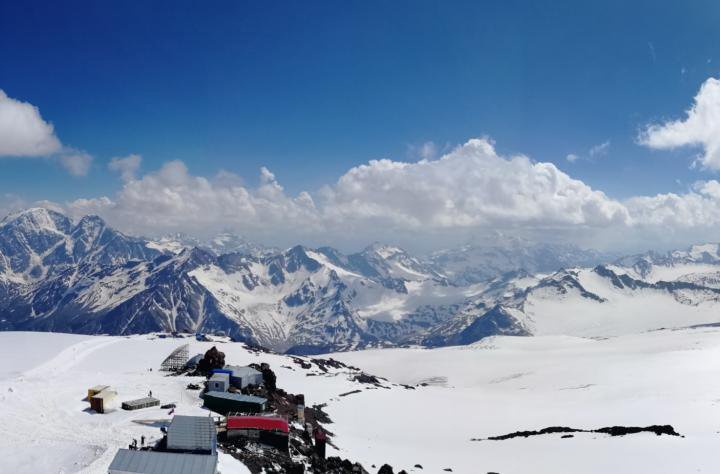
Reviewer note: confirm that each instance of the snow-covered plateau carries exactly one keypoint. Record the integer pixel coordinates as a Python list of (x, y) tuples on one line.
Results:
[(435, 409)]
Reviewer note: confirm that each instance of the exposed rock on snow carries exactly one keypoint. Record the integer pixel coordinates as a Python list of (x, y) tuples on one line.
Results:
[(610, 430)]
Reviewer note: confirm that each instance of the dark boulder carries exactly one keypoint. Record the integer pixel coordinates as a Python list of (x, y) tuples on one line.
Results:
[(213, 359)]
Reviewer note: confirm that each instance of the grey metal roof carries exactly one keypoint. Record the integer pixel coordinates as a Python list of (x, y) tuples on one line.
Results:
[(238, 397), (239, 371), (154, 462), (192, 433), (220, 376)]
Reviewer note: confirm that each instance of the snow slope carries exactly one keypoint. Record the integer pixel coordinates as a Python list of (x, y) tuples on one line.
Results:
[(499, 385), (590, 303), (505, 384)]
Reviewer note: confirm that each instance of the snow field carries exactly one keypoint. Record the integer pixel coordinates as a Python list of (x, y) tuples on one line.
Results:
[(496, 386)]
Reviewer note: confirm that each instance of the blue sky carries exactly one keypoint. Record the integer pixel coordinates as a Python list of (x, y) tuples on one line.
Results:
[(311, 89)]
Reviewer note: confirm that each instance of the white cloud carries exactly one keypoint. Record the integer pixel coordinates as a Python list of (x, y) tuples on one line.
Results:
[(23, 132), (600, 150), (469, 189), (426, 151), (701, 127), (227, 178), (427, 204), (127, 166), (10, 203), (76, 162), (698, 208), (171, 199), (594, 152)]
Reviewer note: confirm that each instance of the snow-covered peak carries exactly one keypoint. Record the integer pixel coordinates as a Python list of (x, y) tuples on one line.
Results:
[(227, 242), (701, 253), (37, 219), (673, 265), (220, 244), (91, 222), (383, 250), (89, 229), (393, 262), (166, 246), (475, 263)]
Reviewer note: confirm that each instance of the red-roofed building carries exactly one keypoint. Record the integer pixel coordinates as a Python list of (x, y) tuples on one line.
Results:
[(268, 430), (269, 423)]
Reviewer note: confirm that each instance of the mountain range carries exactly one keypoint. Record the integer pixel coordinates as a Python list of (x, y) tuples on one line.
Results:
[(86, 277)]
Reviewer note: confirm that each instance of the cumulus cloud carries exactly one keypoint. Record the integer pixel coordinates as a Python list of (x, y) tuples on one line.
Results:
[(471, 186), (23, 132), (126, 166), (426, 204), (698, 208), (700, 127), (172, 199), (469, 189)]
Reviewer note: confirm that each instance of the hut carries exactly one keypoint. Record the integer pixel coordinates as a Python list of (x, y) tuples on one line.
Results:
[(224, 403), (128, 461), (241, 377), (267, 430), (192, 434), (103, 401), (146, 402), (95, 390), (219, 382)]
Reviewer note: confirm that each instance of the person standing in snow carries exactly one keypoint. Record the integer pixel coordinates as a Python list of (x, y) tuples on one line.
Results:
[(142, 440), (320, 440)]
